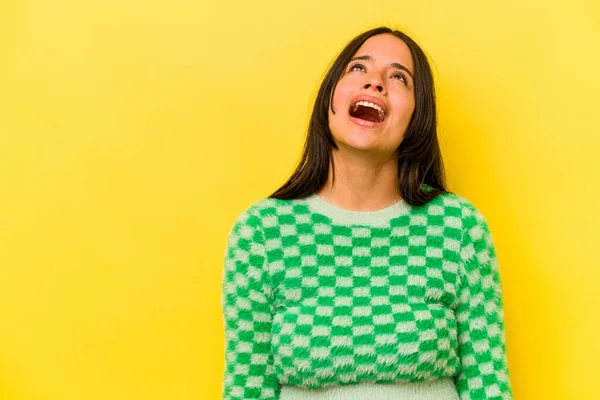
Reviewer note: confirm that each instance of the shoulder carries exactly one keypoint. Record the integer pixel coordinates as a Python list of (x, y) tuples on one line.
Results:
[(261, 213), (460, 203), (477, 241), (477, 250), (462, 210)]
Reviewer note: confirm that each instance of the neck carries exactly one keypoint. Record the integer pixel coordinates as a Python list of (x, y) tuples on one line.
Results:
[(361, 184)]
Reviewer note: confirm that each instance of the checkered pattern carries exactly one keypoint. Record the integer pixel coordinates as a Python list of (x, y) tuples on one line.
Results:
[(312, 303), (479, 315)]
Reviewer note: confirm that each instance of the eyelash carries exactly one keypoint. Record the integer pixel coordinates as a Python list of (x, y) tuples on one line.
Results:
[(403, 76)]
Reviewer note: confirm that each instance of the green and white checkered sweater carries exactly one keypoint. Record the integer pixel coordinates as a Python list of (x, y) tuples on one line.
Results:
[(316, 296)]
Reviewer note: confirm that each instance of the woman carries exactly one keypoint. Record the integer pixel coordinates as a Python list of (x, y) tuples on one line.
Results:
[(362, 277)]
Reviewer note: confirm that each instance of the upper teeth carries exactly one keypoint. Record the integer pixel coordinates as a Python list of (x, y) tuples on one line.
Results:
[(369, 104)]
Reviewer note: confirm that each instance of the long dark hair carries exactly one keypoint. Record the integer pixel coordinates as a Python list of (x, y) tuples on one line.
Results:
[(420, 167)]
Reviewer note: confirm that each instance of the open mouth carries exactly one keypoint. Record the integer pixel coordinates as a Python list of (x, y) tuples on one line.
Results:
[(367, 111)]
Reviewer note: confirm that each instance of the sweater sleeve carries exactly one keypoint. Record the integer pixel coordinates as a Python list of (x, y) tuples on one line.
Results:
[(246, 302), (480, 316)]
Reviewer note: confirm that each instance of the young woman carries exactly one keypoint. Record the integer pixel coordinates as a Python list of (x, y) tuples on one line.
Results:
[(362, 277)]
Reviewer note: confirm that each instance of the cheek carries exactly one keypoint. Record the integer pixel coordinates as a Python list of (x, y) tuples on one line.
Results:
[(339, 100), (339, 105), (403, 107), (342, 93)]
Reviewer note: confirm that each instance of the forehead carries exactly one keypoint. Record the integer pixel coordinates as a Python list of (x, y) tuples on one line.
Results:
[(386, 49)]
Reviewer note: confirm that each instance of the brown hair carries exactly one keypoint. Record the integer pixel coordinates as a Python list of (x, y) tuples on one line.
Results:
[(420, 166)]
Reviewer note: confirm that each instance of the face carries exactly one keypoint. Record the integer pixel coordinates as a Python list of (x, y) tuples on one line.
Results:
[(374, 99)]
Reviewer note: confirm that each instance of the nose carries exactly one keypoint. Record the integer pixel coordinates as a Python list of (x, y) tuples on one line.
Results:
[(375, 82)]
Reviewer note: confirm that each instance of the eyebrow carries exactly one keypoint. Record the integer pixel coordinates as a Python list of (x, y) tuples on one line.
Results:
[(394, 64)]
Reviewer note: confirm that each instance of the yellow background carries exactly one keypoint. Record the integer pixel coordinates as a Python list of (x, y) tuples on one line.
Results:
[(134, 132)]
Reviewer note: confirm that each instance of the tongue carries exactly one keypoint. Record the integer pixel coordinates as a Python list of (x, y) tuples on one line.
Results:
[(366, 113)]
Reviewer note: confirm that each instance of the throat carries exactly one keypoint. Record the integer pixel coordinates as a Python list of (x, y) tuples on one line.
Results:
[(366, 113), (366, 117)]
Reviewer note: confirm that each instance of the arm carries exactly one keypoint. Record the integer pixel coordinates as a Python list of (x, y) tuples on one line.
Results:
[(480, 315), (246, 301)]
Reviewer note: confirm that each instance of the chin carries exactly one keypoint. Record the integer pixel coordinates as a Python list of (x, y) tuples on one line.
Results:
[(362, 138), (365, 143), (359, 144)]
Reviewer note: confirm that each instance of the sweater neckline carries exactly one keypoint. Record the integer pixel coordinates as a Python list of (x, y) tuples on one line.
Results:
[(346, 216)]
